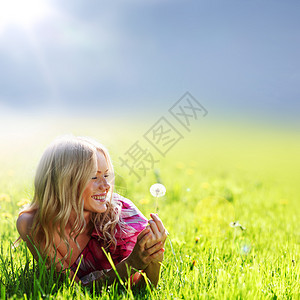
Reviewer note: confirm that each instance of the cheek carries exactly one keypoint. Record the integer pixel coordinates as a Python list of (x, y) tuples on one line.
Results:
[(88, 190)]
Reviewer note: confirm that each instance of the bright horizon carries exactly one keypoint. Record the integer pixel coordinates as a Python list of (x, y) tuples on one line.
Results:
[(240, 60)]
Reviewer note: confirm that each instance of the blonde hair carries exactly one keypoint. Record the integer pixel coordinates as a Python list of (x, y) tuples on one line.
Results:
[(62, 175)]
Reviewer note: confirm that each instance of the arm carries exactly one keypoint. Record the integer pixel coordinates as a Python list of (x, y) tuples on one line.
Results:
[(153, 272), (24, 225), (139, 259)]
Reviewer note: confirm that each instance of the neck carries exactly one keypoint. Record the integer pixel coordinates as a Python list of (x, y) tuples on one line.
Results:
[(87, 216)]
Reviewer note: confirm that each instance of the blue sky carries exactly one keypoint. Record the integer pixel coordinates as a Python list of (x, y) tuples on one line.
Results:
[(235, 57)]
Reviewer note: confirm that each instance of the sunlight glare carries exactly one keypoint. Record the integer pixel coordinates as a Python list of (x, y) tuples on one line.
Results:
[(24, 14)]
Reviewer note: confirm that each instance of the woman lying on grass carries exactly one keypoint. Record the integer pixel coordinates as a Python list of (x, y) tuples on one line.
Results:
[(74, 213)]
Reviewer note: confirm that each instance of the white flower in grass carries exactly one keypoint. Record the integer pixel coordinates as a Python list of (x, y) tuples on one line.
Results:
[(237, 224), (157, 190)]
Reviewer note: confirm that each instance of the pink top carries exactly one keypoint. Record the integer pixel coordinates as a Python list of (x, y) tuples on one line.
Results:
[(94, 261)]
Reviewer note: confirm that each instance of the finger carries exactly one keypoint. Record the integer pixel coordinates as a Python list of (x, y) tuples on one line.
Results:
[(155, 248), (144, 240), (151, 241), (160, 226), (142, 233), (154, 228), (157, 256), (158, 222), (161, 250)]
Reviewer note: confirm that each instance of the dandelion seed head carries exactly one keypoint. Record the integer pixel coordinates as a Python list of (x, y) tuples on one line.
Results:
[(157, 190)]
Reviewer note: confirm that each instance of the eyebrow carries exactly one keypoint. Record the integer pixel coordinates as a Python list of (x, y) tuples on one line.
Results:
[(101, 172)]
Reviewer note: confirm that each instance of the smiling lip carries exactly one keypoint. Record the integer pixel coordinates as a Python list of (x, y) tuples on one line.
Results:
[(101, 197)]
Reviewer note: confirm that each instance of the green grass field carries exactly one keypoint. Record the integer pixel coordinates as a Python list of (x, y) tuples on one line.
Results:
[(219, 173)]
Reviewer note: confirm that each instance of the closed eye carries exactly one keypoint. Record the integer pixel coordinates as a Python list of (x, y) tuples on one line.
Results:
[(106, 175)]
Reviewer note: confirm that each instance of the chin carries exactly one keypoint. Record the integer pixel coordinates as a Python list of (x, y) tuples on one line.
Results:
[(103, 209)]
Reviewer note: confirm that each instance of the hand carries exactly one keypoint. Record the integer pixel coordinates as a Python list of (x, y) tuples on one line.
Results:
[(141, 257), (158, 231)]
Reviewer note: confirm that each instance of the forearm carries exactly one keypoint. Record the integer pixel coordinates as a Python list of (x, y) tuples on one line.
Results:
[(139, 259), (124, 270), (153, 272)]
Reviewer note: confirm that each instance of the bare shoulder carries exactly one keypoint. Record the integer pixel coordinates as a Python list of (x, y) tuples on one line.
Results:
[(24, 224)]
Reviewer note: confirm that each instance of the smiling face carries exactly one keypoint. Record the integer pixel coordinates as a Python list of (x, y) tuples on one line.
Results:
[(95, 195)]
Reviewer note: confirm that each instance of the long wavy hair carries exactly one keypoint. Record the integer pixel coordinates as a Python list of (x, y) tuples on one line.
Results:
[(62, 175)]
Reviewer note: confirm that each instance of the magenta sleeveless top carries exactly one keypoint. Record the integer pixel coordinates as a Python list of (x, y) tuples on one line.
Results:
[(93, 260)]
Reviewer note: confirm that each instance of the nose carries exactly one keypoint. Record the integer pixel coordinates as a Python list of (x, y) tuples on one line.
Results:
[(104, 185)]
